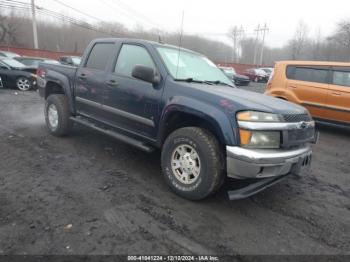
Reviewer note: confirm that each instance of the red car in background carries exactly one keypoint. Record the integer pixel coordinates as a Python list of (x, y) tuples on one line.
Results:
[(256, 75)]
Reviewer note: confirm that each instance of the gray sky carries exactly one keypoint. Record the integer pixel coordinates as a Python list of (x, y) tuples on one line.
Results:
[(213, 18)]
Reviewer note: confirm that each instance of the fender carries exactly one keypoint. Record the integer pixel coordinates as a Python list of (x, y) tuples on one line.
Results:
[(65, 83), (285, 94), (219, 119)]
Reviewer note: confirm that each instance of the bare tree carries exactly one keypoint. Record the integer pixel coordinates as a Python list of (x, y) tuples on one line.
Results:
[(299, 41), (342, 36)]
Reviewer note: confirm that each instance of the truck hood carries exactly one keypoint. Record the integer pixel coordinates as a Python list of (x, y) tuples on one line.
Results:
[(244, 100)]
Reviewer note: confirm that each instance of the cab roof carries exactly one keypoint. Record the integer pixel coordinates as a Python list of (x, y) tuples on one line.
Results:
[(142, 41)]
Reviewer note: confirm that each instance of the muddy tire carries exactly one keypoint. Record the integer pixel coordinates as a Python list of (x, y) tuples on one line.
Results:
[(193, 163), (57, 115)]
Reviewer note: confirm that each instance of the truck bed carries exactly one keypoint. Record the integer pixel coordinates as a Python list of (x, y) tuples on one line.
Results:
[(68, 71)]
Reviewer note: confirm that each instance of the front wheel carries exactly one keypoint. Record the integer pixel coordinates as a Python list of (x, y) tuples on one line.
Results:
[(193, 163), (57, 115), (23, 83)]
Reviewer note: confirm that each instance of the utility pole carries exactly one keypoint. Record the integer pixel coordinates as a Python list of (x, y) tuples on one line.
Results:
[(257, 30), (264, 30), (236, 34), (35, 32)]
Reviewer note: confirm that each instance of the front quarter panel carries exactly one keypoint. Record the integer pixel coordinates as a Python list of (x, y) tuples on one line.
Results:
[(216, 117)]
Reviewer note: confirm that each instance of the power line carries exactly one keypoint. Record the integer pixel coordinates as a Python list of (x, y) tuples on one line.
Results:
[(79, 11), (128, 12), (138, 14), (64, 18)]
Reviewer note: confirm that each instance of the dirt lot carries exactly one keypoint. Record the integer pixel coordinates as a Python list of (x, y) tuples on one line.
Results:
[(89, 194)]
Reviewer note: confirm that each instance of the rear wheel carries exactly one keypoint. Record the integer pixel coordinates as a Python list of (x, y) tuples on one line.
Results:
[(23, 83), (192, 163), (57, 115)]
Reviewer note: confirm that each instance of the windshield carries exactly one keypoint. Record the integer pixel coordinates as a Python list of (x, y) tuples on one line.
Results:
[(76, 60), (9, 54), (267, 70), (12, 62), (260, 72), (187, 65)]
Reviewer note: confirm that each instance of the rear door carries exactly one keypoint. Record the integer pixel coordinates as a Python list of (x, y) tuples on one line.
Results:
[(338, 98), (309, 87), (90, 79)]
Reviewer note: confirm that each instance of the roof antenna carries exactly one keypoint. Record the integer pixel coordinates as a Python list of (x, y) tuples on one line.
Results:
[(180, 42)]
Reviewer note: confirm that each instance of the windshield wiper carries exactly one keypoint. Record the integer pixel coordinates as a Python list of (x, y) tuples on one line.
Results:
[(189, 80), (217, 82)]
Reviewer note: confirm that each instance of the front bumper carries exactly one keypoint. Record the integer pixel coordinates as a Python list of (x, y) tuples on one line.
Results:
[(245, 163)]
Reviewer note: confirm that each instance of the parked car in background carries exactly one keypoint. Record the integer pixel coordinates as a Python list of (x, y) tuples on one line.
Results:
[(267, 70), (34, 61), (148, 96), (239, 80), (8, 54), (322, 87), (14, 74), (70, 60), (256, 75)]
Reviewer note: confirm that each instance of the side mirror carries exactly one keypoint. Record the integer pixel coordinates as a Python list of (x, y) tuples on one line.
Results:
[(145, 73)]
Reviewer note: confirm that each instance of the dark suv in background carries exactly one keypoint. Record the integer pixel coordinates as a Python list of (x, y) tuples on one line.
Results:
[(239, 80), (70, 60)]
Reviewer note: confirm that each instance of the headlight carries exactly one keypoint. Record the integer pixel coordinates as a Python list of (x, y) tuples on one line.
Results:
[(255, 116), (258, 139)]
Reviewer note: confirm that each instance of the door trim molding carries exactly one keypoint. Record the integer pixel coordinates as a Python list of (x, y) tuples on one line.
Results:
[(326, 107), (133, 117)]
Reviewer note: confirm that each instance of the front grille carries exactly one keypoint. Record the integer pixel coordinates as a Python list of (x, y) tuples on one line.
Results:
[(298, 135), (296, 118)]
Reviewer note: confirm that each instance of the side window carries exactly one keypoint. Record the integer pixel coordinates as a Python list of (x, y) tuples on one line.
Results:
[(99, 56), (341, 78), (307, 74), (131, 55)]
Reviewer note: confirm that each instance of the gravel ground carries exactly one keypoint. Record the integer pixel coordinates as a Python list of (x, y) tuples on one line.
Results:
[(89, 194)]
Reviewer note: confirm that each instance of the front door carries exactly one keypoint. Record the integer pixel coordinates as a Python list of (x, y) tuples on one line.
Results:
[(130, 103), (338, 98), (309, 86), (90, 79)]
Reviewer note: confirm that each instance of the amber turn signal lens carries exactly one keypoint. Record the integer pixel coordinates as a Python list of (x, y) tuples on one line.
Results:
[(244, 116), (245, 136)]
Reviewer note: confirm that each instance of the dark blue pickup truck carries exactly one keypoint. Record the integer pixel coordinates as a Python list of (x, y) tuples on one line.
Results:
[(151, 95)]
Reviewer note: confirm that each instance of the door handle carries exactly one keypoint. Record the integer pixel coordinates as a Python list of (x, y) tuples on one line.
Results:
[(112, 82), (292, 86), (336, 94), (82, 76)]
